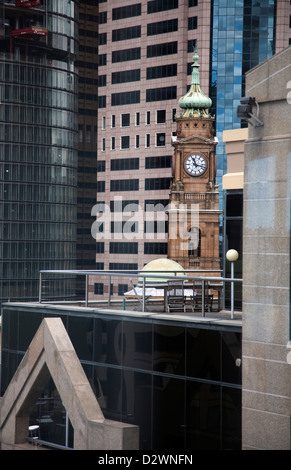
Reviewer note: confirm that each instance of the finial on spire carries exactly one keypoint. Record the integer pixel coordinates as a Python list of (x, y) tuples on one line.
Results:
[(195, 53), (195, 102)]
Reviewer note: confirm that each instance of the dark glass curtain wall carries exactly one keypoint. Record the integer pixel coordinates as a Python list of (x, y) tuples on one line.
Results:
[(179, 382)]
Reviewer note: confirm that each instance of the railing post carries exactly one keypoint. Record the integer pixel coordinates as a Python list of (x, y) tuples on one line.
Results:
[(109, 290), (86, 289), (232, 289), (40, 288), (203, 298), (143, 294)]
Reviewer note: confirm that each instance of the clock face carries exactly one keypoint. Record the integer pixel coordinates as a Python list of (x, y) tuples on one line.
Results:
[(195, 165)]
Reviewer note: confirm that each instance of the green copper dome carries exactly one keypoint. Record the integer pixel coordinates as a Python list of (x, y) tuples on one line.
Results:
[(195, 103)]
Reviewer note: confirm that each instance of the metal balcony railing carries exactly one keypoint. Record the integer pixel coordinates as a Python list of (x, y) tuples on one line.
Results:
[(142, 277)]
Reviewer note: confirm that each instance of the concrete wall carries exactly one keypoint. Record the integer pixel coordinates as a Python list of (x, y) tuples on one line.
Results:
[(266, 395)]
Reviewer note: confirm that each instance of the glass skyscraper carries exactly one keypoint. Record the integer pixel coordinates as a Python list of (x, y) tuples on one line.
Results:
[(38, 143), (243, 35)]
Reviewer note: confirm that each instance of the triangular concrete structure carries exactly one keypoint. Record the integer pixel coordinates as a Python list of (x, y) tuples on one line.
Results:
[(51, 353)]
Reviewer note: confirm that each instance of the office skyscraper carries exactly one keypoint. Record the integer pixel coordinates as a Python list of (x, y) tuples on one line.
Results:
[(145, 54), (38, 144)]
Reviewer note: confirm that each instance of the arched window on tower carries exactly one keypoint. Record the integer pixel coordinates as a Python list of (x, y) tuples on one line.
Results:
[(194, 243)]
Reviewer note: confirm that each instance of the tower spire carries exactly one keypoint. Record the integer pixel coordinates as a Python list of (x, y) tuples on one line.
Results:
[(195, 103)]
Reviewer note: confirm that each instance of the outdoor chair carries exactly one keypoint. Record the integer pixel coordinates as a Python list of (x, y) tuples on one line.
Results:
[(196, 300), (176, 299)]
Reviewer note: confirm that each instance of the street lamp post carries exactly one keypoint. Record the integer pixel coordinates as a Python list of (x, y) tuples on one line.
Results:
[(232, 256)]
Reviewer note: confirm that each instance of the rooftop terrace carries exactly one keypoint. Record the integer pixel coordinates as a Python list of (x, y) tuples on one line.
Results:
[(137, 304)]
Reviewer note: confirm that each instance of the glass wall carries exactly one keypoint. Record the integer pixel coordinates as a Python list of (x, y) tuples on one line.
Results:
[(179, 382), (243, 35), (38, 148)]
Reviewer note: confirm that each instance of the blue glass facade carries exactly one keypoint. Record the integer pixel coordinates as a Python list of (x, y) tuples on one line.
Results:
[(243, 35)]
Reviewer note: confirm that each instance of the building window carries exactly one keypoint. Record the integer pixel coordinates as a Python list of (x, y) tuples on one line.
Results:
[(128, 97), (121, 164), (102, 102), (123, 266), (164, 161), (155, 248), (137, 119), (102, 60), (100, 266), (112, 143), (157, 183), (102, 80), (161, 94), (125, 120), (126, 33), (123, 247), (100, 247), (124, 185), (148, 117), (194, 243), (125, 55), (161, 116), (100, 186), (161, 27), (102, 39), (113, 120), (98, 288), (125, 76), (191, 45), (161, 71), (192, 3), (124, 226), (125, 142), (156, 226), (80, 130), (124, 206), (148, 140), (126, 12), (162, 49), (192, 23), (155, 205), (103, 123), (101, 166), (137, 141), (122, 288), (161, 139), (103, 145), (161, 5), (102, 17)]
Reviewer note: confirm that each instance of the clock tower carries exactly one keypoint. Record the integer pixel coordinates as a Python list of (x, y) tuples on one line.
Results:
[(194, 207)]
